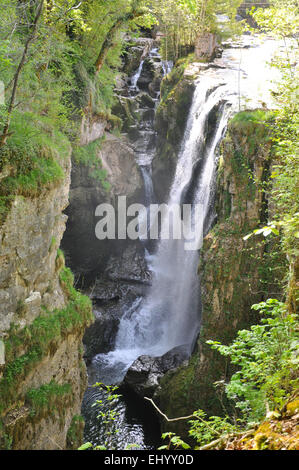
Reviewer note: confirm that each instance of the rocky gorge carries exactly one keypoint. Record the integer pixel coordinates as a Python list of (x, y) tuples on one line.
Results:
[(154, 133)]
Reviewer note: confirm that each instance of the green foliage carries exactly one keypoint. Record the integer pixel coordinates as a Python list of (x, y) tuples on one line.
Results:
[(258, 116), (31, 158), (57, 81), (281, 21), (108, 416), (44, 399), (175, 442), (267, 230), (173, 78), (286, 175), (266, 359), (5, 438), (266, 363), (88, 155), (205, 429), (75, 432), (32, 137)]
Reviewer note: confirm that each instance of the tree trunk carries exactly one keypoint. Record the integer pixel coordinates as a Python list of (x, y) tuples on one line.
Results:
[(110, 37)]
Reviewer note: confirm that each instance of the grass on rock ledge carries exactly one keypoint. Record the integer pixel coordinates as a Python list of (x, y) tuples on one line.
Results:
[(25, 348), (30, 160)]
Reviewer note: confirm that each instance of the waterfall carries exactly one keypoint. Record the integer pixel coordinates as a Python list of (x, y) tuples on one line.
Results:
[(148, 184), (136, 76), (167, 67), (169, 314)]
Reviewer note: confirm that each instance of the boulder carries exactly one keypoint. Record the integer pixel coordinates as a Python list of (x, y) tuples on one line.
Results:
[(144, 374)]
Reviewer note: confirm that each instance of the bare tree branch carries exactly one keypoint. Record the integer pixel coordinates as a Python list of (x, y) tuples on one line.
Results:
[(164, 415)]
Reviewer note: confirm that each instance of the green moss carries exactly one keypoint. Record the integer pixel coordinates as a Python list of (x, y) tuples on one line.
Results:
[(32, 137), (66, 279), (45, 399), (31, 157), (44, 174), (41, 338), (258, 116), (174, 77), (172, 113), (52, 244), (75, 433), (100, 174), (88, 155), (293, 407), (255, 126), (5, 438), (115, 122), (5, 204)]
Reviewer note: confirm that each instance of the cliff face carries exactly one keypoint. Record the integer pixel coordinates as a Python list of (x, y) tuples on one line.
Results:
[(30, 238), (234, 273), (42, 321)]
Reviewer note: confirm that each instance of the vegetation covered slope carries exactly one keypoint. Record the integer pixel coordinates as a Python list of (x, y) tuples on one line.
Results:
[(255, 373)]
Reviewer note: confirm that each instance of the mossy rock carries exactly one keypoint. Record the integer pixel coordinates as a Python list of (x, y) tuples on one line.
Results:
[(74, 436)]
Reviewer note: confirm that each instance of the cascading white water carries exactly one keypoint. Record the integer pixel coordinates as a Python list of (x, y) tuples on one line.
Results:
[(167, 66), (148, 184), (136, 76), (169, 315)]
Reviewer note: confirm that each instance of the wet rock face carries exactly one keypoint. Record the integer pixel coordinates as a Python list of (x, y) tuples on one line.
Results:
[(49, 431), (147, 74), (92, 128), (170, 122), (85, 253), (144, 374), (118, 157), (130, 267), (136, 53), (100, 336), (110, 302)]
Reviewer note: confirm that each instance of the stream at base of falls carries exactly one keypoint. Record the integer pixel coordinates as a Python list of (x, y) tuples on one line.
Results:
[(168, 314)]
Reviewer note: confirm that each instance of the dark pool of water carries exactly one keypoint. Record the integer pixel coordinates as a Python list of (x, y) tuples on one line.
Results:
[(136, 425)]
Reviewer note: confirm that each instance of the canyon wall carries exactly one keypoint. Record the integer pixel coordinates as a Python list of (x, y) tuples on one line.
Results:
[(42, 322)]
